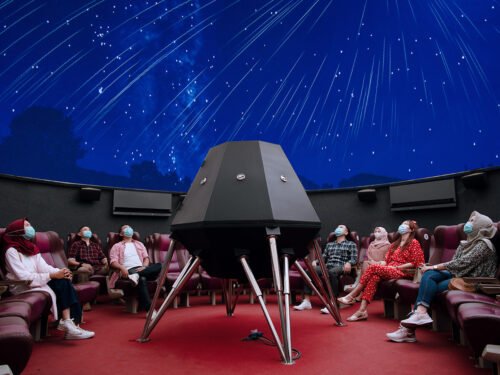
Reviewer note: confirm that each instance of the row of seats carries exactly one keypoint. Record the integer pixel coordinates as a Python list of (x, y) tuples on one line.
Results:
[(398, 295), (473, 317), (24, 317)]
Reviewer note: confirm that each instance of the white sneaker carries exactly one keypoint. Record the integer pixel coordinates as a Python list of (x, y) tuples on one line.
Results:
[(134, 277), (403, 334), (324, 310), (416, 319), (82, 335), (305, 305), (68, 326)]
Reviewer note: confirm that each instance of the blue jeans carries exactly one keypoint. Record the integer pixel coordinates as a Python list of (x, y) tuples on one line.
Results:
[(432, 283)]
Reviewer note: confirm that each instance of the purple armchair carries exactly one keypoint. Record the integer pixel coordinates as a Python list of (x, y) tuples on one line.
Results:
[(399, 294), (52, 251), (160, 245)]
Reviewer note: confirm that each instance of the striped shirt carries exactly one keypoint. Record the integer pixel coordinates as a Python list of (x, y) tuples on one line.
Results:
[(339, 253)]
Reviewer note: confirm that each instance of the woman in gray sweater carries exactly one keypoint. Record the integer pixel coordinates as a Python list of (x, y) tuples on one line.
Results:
[(475, 257)]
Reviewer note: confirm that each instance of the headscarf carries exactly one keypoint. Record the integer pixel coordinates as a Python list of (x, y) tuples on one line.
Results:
[(13, 237), (378, 247), (483, 229)]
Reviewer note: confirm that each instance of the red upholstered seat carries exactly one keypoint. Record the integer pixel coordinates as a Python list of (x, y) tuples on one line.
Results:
[(399, 294), (39, 302), (51, 249), (480, 323), (16, 343), (454, 298), (101, 279), (160, 245), (127, 286)]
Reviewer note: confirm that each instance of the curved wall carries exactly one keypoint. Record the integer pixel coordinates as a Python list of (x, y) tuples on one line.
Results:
[(53, 206)]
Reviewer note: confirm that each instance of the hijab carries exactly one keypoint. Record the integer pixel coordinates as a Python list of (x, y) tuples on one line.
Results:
[(13, 237), (378, 247), (483, 229)]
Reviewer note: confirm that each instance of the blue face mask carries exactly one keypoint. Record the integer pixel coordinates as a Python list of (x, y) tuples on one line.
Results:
[(339, 231), (87, 234), (403, 229), (128, 232), (29, 233), (468, 228)]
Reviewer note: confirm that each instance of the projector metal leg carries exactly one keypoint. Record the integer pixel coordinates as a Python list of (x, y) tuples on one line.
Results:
[(258, 293), (161, 281), (230, 298), (185, 275), (284, 312), (321, 293)]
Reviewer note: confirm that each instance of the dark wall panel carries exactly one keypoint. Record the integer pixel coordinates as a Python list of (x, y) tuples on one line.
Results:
[(58, 207), (343, 207)]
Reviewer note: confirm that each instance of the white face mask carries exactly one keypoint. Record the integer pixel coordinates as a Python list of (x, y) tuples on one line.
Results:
[(378, 235)]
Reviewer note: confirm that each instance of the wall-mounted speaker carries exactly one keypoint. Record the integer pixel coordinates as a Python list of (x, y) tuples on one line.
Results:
[(88, 194), (477, 180), (367, 195)]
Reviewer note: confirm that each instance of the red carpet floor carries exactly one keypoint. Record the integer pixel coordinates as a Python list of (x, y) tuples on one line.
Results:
[(201, 339)]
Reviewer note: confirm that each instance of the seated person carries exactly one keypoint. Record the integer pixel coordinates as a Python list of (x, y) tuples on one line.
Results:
[(130, 258), (24, 262), (403, 254), (375, 253), (339, 256), (86, 256), (475, 257)]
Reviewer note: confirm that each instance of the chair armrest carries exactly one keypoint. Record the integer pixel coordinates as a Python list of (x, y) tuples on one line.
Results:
[(14, 282), (482, 280), (490, 289)]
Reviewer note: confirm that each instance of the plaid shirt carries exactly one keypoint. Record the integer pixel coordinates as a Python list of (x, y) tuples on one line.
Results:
[(337, 254), (91, 254)]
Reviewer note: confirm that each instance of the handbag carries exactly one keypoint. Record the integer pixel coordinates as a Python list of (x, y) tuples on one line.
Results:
[(418, 275), (458, 283)]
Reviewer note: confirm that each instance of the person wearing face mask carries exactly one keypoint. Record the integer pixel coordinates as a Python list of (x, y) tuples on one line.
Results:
[(23, 261), (131, 260), (375, 253), (339, 256), (404, 253), (475, 257), (86, 256)]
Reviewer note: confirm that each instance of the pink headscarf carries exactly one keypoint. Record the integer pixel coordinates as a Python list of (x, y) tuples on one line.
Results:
[(378, 247)]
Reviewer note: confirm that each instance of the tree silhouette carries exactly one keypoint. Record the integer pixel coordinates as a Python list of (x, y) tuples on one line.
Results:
[(146, 175), (41, 144)]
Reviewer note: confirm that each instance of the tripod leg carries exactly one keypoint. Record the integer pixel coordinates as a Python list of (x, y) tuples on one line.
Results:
[(258, 293), (286, 292), (161, 281), (279, 292), (186, 273), (321, 294)]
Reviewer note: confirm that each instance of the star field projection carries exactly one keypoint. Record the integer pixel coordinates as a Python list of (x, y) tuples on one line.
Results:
[(393, 89)]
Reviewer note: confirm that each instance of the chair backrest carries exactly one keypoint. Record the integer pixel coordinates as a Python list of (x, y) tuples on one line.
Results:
[(446, 240), (364, 243), (148, 243), (355, 236), (51, 248), (423, 236), (161, 243), (113, 238), (72, 237)]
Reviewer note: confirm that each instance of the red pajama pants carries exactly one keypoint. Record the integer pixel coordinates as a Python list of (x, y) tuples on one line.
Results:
[(372, 276)]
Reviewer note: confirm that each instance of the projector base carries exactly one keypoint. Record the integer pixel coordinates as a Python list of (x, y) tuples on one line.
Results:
[(282, 287)]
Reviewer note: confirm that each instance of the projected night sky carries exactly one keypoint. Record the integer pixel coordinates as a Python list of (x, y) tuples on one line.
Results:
[(134, 93)]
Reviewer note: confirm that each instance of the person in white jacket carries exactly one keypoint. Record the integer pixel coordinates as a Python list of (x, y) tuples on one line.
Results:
[(24, 262)]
